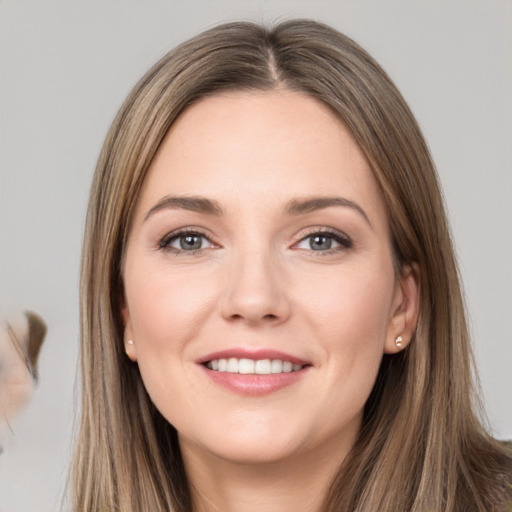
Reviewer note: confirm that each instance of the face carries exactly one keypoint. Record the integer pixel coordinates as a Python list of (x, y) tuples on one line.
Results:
[(260, 292)]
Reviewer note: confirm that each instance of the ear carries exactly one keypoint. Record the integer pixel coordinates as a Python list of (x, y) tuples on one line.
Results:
[(129, 343), (404, 310)]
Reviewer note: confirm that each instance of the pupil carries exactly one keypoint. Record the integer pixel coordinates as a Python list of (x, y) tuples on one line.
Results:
[(190, 242), (320, 242)]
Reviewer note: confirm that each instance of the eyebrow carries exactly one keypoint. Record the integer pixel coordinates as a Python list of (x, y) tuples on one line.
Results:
[(192, 203), (298, 207), (294, 207)]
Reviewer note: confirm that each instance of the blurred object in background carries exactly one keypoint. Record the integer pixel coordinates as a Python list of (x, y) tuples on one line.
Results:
[(21, 339)]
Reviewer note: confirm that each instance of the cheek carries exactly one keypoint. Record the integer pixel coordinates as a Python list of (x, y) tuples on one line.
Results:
[(166, 308), (167, 311), (351, 317), (352, 306)]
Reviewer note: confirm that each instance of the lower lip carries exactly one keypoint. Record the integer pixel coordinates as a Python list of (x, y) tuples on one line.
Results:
[(255, 385)]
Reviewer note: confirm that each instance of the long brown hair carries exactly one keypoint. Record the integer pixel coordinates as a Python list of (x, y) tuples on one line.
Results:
[(421, 447)]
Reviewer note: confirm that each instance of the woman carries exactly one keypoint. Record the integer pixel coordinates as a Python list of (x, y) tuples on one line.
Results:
[(276, 322)]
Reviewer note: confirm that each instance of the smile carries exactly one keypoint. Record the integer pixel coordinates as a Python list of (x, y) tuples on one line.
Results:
[(250, 366), (254, 373)]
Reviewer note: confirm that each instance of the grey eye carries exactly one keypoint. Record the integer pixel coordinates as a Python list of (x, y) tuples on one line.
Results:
[(320, 242), (185, 241), (189, 242), (324, 242)]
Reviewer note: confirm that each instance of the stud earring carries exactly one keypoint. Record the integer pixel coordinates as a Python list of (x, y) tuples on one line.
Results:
[(398, 341), (129, 351)]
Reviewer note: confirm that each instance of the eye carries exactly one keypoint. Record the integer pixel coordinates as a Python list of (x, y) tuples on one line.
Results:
[(324, 241), (185, 241)]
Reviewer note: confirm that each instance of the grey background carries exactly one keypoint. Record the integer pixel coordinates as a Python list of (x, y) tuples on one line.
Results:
[(66, 67)]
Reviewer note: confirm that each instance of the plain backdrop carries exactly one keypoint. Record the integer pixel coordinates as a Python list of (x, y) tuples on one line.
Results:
[(65, 69)]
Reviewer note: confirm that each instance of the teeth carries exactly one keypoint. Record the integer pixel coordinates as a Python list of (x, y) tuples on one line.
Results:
[(245, 366), (232, 365), (276, 366), (263, 367), (250, 366)]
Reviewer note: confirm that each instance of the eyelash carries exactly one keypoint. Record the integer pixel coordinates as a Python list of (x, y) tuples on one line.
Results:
[(337, 236), (342, 239), (165, 243)]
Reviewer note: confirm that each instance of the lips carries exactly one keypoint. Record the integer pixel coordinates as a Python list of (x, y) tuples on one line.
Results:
[(254, 373)]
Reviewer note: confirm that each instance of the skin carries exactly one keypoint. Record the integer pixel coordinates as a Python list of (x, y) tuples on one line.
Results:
[(257, 283)]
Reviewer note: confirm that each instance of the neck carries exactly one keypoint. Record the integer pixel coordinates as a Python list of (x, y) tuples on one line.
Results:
[(297, 484)]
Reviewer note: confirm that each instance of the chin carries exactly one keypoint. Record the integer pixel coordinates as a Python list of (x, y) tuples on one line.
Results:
[(254, 453), (255, 444)]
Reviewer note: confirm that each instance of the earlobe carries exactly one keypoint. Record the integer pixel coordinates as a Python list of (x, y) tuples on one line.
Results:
[(405, 310), (129, 348), (129, 344)]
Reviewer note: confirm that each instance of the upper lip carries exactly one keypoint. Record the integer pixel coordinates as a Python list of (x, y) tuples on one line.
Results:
[(256, 355)]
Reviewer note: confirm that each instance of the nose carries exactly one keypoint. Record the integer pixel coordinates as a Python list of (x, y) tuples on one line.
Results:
[(255, 292)]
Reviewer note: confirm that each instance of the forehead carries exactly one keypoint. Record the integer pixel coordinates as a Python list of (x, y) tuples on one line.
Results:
[(266, 145)]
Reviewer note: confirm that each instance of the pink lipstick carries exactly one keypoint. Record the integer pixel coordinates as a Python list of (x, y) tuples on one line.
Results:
[(253, 373)]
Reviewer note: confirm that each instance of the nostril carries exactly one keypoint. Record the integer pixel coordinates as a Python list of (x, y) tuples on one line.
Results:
[(268, 317)]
